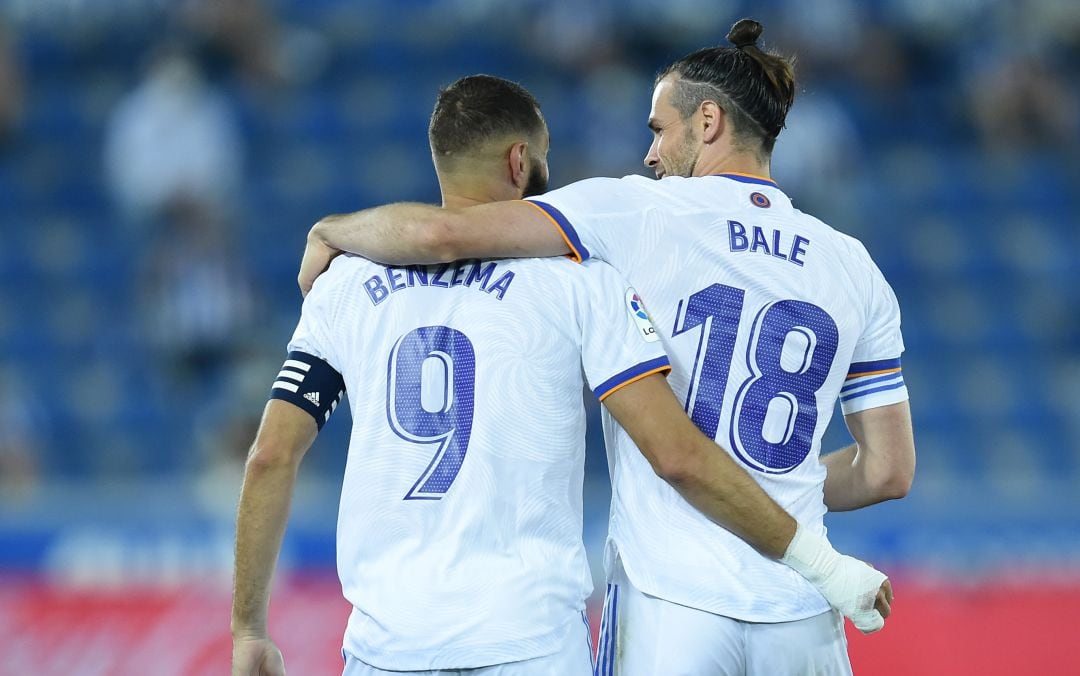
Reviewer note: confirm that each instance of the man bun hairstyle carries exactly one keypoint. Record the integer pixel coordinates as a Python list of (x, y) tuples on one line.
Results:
[(754, 87), (745, 33), (481, 108)]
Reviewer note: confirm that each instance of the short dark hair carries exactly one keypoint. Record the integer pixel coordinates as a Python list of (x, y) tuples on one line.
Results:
[(755, 88), (478, 108)]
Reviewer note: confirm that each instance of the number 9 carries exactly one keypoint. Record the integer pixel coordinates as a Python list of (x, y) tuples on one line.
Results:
[(412, 414)]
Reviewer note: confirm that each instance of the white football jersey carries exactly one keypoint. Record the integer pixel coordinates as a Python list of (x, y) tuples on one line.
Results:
[(460, 526), (769, 316)]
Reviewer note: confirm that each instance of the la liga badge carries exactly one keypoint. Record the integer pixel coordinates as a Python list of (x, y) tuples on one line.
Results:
[(636, 307)]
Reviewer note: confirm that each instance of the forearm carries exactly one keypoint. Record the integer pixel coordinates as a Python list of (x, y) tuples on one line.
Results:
[(722, 490), (852, 481), (840, 479), (407, 233), (395, 234), (260, 527), (702, 472), (879, 466)]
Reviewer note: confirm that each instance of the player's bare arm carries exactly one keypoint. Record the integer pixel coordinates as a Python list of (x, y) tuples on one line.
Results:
[(285, 434), (707, 477), (879, 466), (404, 233), (713, 483)]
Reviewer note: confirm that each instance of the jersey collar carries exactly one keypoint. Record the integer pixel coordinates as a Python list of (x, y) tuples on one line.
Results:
[(748, 178)]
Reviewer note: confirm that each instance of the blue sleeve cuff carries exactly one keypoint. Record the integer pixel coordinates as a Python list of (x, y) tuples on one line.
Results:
[(577, 249), (873, 368), (630, 375)]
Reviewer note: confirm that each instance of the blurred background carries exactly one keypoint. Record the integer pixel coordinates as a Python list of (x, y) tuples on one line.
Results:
[(161, 162)]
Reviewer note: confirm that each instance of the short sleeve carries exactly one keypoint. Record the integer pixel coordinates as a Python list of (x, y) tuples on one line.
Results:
[(875, 377), (313, 333), (595, 215), (619, 344), (310, 377)]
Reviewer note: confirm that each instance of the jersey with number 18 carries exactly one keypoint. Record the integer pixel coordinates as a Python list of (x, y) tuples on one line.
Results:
[(769, 316), (459, 530)]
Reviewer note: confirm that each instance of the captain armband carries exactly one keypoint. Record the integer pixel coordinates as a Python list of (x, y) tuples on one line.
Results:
[(309, 383)]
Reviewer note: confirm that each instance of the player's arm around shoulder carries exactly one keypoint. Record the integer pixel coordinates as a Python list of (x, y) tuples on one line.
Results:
[(406, 233)]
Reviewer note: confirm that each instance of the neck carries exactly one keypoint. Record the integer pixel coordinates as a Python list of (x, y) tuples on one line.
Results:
[(732, 163), (453, 201), (456, 195)]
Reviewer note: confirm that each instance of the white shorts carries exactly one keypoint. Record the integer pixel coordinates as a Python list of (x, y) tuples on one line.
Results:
[(574, 658), (641, 635)]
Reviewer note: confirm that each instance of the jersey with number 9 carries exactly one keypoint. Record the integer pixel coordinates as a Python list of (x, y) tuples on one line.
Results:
[(459, 531)]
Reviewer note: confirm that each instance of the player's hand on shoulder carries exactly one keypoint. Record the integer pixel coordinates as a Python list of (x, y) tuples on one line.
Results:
[(317, 257), (257, 656)]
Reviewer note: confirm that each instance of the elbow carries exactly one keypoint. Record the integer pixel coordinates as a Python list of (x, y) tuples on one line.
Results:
[(673, 467), (677, 459), (269, 458), (435, 240), (894, 485)]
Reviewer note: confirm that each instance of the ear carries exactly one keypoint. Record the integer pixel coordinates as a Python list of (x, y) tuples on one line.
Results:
[(518, 164), (713, 121)]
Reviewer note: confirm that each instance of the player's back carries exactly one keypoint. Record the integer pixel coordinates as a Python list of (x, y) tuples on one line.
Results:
[(761, 309), (459, 535)]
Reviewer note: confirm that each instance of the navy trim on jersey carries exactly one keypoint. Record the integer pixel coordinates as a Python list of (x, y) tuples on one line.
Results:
[(746, 178), (871, 368), (568, 232), (311, 384), (588, 637), (630, 375), (872, 390)]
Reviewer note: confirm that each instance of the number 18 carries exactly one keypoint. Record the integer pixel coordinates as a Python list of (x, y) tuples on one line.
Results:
[(789, 354)]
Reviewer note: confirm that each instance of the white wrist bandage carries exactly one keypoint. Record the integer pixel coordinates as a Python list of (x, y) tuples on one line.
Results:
[(848, 584)]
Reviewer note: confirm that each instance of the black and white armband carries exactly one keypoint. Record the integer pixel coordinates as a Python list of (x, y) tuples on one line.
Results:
[(309, 383)]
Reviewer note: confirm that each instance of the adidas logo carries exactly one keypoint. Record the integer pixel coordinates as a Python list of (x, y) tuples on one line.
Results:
[(313, 397)]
